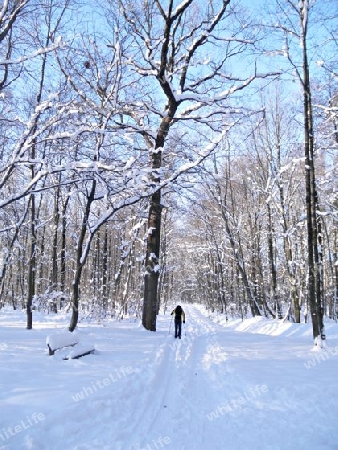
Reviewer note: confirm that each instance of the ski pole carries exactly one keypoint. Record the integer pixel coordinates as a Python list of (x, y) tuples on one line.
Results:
[(171, 321)]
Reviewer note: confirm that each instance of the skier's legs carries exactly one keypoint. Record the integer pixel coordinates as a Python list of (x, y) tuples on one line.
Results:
[(176, 328), (179, 329)]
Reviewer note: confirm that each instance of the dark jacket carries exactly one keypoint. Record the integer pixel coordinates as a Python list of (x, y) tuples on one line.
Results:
[(179, 314)]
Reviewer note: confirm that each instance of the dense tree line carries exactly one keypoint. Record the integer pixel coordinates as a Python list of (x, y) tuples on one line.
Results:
[(154, 152), (246, 232)]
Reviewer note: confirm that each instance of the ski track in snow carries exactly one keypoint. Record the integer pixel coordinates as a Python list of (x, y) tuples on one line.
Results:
[(215, 389)]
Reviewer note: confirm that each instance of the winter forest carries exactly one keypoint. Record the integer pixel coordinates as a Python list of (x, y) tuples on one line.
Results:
[(155, 152)]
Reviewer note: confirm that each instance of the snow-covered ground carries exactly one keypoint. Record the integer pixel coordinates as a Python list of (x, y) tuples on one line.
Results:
[(234, 385)]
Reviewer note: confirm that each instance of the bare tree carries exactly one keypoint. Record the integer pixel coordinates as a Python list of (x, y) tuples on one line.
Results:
[(11, 11), (301, 11), (170, 48)]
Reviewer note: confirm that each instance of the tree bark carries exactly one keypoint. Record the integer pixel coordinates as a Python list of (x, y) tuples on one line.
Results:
[(31, 266), (80, 259), (314, 295), (152, 263)]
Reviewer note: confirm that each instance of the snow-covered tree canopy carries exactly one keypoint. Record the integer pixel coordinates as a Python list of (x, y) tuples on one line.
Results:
[(108, 110)]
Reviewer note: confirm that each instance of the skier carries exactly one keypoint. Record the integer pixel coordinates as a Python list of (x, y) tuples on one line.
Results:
[(179, 316)]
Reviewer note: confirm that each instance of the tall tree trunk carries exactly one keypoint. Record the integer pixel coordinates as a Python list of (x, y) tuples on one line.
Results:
[(63, 245), (273, 271), (152, 261), (104, 288), (54, 266), (314, 294), (31, 266), (33, 239), (80, 259)]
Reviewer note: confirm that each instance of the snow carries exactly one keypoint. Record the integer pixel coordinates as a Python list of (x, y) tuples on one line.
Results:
[(59, 340), (41, 51), (244, 385)]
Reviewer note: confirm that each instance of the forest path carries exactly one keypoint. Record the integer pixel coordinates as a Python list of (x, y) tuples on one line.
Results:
[(215, 389), (206, 385)]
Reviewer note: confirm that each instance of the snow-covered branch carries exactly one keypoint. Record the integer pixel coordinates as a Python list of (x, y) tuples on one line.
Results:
[(41, 51)]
